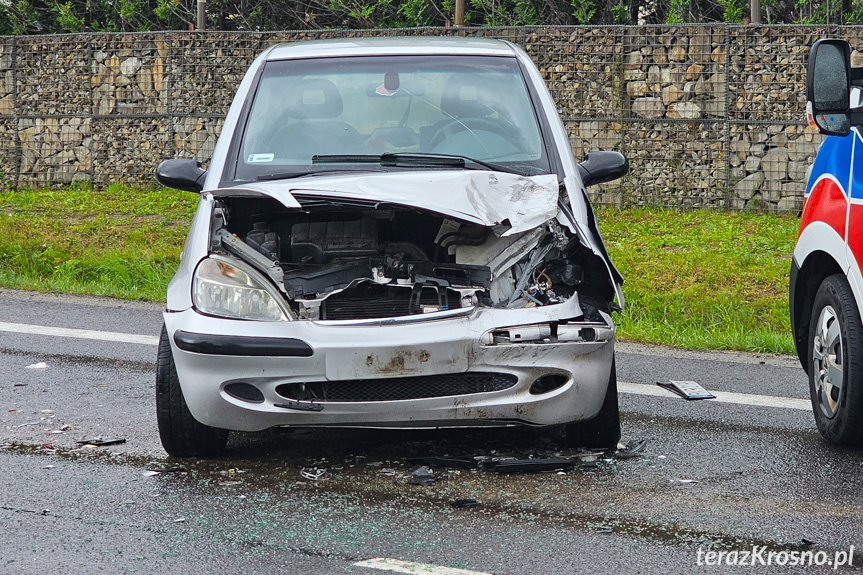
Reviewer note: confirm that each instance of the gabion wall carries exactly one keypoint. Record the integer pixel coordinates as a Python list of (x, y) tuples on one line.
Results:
[(709, 116)]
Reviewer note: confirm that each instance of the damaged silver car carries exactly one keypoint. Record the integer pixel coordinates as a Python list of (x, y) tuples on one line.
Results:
[(392, 233)]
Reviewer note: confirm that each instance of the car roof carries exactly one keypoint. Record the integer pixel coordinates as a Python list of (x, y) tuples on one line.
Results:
[(391, 45)]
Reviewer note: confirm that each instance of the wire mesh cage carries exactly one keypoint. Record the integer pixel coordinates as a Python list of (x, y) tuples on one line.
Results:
[(709, 116)]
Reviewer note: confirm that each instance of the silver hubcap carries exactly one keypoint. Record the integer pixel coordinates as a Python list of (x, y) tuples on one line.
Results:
[(828, 355)]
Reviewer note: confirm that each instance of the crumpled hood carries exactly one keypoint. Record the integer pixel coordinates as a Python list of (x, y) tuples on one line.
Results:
[(481, 197)]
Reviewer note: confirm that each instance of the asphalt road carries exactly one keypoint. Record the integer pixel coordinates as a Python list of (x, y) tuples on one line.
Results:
[(713, 475)]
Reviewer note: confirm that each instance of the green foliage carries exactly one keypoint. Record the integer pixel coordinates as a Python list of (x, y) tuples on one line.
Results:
[(50, 16), (67, 20), (734, 10), (582, 10), (619, 14), (678, 12)]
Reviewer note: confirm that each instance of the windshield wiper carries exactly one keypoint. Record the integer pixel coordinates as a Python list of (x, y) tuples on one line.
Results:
[(291, 175), (414, 159)]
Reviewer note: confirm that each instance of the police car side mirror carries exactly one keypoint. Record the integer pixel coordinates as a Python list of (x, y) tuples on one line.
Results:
[(828, 87)]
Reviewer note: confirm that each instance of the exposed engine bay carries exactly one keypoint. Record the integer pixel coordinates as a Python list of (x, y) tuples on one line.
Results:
[(342, 259)]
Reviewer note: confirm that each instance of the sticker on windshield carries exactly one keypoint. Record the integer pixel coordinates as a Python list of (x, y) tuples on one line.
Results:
[(260, 158)]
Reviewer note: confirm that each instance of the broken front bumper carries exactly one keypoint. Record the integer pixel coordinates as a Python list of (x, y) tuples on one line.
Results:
[(487, 368)]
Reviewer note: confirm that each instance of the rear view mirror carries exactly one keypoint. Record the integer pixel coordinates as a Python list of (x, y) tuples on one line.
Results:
[(828, 87)]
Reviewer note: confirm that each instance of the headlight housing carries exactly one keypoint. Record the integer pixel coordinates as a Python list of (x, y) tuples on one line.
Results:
[(230, 289)]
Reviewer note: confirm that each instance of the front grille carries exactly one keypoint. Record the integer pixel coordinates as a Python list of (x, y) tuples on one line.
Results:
[(374, 302), (392, 389)]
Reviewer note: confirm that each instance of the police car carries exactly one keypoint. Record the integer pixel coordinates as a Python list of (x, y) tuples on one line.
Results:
[(826, 284)]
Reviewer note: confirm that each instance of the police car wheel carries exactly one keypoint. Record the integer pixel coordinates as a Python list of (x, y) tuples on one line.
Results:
[(836, 363)]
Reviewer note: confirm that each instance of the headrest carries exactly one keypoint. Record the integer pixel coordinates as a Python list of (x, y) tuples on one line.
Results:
[(314, 98)]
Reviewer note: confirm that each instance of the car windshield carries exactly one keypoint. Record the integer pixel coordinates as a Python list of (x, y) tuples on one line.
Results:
[(310, 116)]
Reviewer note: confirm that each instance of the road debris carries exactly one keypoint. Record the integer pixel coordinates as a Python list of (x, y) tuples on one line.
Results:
[(628, 451), (422, 475), (460, 462), (167, 469), (149, 473), (100, 441), (40, 365), (687, 389), (315, 474), (529, 465)]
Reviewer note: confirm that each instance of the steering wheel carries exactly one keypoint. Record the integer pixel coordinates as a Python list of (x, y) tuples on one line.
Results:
[(456, 126)]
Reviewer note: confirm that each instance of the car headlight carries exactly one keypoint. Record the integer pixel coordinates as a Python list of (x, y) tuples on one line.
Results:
[(222, 289)]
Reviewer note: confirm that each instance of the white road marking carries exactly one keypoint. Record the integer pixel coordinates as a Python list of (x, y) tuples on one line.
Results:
[(622, 387), (721, 397), (412, 568), (79, 333)]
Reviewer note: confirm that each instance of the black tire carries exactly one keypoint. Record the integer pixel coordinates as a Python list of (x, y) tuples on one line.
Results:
[(603, 431), (181, 434), (835, 355)]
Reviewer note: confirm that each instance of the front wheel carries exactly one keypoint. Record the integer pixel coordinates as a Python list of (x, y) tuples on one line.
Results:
[(603, 431), (182, 435), (836, 362)]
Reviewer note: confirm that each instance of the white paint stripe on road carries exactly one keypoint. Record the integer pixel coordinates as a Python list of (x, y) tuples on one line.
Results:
[(721, 397), (79, 333), (412, 568)]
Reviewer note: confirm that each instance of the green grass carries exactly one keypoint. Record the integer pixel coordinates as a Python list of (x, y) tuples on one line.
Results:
[(699, 280), (703, 280), (119, 242)]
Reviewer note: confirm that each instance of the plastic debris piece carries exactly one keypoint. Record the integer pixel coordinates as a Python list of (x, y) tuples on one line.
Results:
[(167, 469), (149, 473), (687, 481), (660, 457), (687, 389), (455, 462), (100, 441), (47, 411), (40, 365), (315, 474), (592, 455), (529, 465), (603, 530), (48, 467), (465, 503), (422, 475), (179, 519), (634, 449)]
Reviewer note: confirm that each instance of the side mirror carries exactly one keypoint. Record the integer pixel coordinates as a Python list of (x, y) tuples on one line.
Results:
[(600, 167), (828, 87), (187, 175)]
